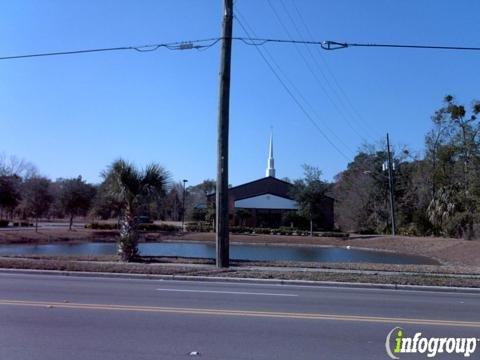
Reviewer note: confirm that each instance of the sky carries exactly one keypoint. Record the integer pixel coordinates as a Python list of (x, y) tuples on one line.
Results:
[(73, 115)]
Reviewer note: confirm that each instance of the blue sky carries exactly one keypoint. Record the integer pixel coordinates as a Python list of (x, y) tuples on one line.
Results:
[(73, 115)]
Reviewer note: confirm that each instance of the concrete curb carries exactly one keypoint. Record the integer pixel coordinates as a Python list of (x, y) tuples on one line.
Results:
[(445, 289)]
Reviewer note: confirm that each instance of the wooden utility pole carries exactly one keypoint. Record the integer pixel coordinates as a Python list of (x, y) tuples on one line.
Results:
[(391, 186), (183, 204), (222, 234)]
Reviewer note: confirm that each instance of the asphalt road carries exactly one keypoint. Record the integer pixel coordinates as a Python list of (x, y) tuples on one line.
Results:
[(56, 317)]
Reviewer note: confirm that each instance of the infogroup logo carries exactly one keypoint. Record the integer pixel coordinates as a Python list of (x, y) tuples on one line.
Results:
[(397, 343)]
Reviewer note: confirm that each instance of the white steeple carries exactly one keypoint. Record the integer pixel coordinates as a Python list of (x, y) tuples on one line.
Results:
[(270, 164)]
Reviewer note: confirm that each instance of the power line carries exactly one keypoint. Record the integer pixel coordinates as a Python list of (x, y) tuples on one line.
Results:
[(314, 74), (319, 83), (291, 89), (197, 45), (350, 107), (334, 45), (290, 92), (179, 45)]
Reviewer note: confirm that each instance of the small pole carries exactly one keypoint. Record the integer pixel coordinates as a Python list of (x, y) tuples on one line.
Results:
[(183, 204), (391, 186), (222, 219)]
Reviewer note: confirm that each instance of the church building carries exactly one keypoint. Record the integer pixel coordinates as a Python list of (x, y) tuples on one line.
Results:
[(266, 201)]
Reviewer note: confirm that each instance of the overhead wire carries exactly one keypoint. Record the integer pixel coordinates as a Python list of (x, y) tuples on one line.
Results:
[(178, 45), (335, 45), (324, 89), (308, 103), (252, 41), (240, 19), (342, 92)]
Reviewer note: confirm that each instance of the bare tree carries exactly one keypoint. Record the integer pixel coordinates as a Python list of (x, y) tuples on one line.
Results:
[(76, 197), (309, 193), (9, 193), (37, 197), (12, 165)]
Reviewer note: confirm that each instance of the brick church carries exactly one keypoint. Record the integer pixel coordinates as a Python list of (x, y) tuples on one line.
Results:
[(267, 200)]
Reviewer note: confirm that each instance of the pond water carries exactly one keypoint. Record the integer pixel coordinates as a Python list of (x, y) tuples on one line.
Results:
[(237, 252)]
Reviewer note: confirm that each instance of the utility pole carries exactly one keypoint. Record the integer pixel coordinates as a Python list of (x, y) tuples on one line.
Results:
[(222, 219), (183, 205), (391, 186)]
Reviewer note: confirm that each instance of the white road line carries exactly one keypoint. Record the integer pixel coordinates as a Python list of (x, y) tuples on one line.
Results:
[(315, 287), (226, 292)]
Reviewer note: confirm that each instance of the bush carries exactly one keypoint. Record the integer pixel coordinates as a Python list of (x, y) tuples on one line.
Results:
[(97, 226), (298, 221), (141, 227), (204, 226), (199, 214), (333, 234), (241, 230), (158, 227), (200, 226), (266, 231), (22, 223), (367, 231), (4, 223), (409, 230)]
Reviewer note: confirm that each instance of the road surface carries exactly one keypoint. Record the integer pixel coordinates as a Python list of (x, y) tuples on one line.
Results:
[(58, 317)]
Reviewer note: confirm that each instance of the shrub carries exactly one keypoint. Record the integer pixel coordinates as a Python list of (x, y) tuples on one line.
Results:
[(241, 230), (205, 226), (22, 223), (333, 234), (409, 230), (98, 226), (262, 231), (200, 226), (158, 227), (4, 223), (287, 231), (367, 231), (141, 227)]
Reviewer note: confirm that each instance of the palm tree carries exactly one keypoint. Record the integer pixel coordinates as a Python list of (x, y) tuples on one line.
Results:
[(131, 188)]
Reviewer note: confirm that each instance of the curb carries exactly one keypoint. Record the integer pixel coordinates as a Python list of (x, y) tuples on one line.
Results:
[(348, 285)]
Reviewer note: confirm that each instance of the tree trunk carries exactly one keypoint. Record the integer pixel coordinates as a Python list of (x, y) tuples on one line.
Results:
[(36, 224), (311, 227), (128, 245), (465, 162), (71, 222)]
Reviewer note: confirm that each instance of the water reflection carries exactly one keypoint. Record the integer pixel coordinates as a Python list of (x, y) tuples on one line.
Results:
[(237, 252)]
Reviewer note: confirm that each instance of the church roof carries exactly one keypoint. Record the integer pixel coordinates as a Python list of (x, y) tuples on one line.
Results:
[(266, 185)]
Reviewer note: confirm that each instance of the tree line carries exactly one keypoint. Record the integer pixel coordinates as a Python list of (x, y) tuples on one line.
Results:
[(436, 193), (27, 195)]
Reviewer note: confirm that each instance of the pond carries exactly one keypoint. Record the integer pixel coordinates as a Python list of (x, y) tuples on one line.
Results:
[(237, 252)]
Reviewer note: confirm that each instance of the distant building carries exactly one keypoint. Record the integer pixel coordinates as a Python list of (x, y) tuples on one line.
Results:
[(265, 202)]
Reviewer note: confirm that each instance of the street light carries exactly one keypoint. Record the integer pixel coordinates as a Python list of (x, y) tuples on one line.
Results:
[(183, 206)]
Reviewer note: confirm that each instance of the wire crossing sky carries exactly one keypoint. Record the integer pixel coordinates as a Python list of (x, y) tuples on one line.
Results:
[(197, 45), (326, 84)]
